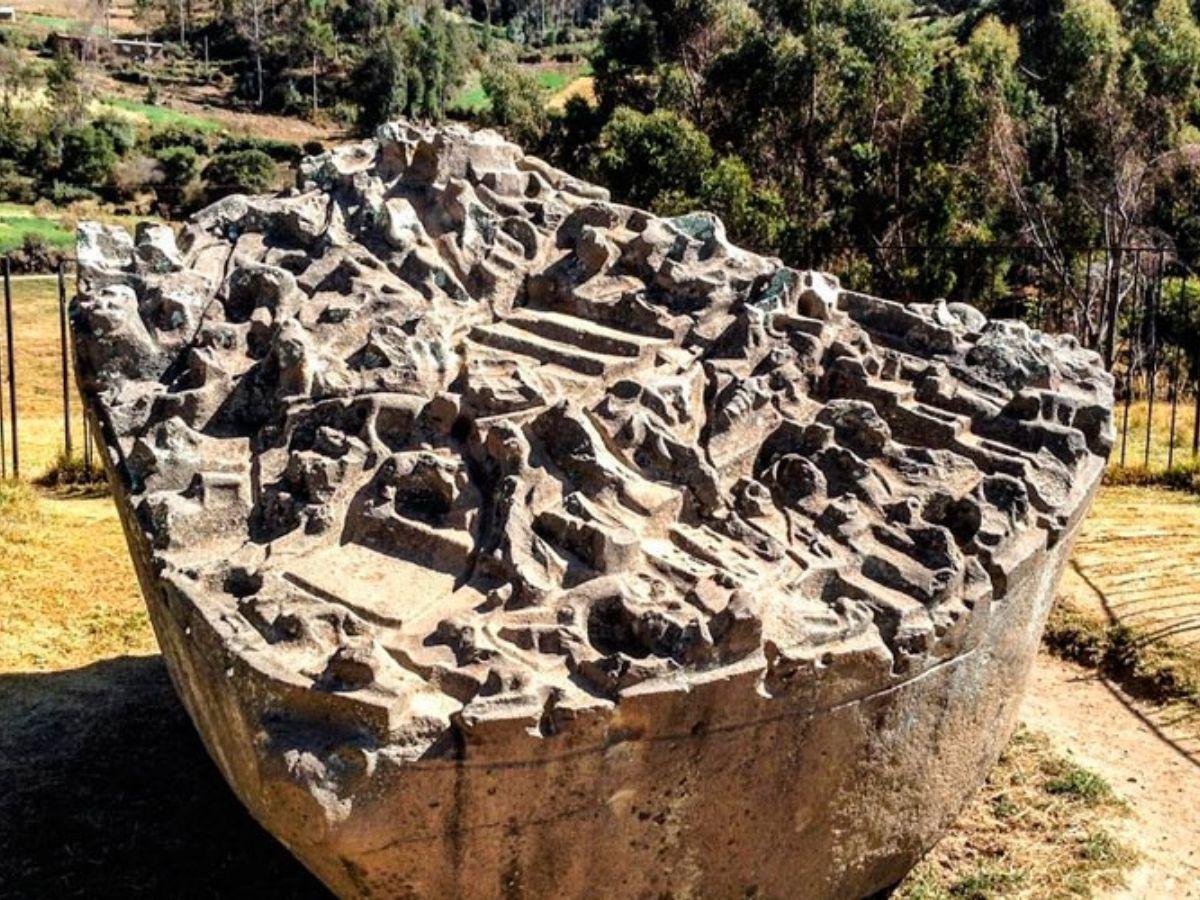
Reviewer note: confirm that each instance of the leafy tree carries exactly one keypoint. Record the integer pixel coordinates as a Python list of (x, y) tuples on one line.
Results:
[(382, 81), (517, 103), (411, 72), (66, 89), (314, 39), (646, 156)]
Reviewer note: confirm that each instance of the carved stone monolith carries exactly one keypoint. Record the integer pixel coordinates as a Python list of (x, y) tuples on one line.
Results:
[(504, 541)]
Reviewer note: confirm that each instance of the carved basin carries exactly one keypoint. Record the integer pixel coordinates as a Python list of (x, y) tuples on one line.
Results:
[(503, 541)]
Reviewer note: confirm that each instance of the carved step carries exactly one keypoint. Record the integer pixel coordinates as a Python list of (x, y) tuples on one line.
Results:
[(584, 333), (505, 336)]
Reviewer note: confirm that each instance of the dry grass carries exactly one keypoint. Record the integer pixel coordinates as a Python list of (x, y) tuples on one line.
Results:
[(39, 377), (1042, 826), (1129, 603), (1161, 441), (68, 594)]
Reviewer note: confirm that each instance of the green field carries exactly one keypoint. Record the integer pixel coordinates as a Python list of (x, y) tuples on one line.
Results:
[(159, 116), (471, 97), (472, 100), (55, 225), (16, 221)]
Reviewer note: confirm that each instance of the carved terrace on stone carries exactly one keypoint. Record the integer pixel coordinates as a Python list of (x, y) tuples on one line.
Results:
[(506, 541)]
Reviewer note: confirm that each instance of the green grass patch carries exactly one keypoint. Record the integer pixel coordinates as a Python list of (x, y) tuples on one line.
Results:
[(1184, 476), (471, 98), (17, 221), (1080, 784), (160, 117), (50, 23)]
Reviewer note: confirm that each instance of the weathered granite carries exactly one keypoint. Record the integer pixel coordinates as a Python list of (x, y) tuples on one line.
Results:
[(505, 541)]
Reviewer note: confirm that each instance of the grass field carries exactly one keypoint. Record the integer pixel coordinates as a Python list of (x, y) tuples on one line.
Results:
[(161, 116), (56, 225), (552, 78), (17, 220), (1161, 441)]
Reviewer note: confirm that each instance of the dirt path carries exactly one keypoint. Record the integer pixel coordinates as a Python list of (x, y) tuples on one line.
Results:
[(1150, 757)]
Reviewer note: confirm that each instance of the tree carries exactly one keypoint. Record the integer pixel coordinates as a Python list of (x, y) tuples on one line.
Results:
[(178, 166), (382, 83), (88, 157), (645, 157), (517, 103), (411, 71), (66, 88), (314, 39)]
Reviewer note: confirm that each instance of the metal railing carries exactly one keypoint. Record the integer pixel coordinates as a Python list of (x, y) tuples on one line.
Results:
[(10, 433)]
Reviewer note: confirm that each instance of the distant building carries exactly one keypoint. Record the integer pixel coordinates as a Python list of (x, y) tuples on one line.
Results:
[(98, 46), (7, 14)]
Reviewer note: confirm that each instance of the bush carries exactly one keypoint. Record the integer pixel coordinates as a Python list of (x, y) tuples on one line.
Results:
[(646, 157), (313, 148), (73, 472), (518, 104), (175, 136), (280, 151), (239, 172), (88, 156), (65, 194), (178, 165), (120, 132), (15, 187)]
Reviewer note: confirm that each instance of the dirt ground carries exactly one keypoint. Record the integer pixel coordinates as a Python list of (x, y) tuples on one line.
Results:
[(1154, 765)]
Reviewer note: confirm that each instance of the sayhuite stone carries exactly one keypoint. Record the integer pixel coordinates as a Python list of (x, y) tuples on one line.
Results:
[(504, 541)]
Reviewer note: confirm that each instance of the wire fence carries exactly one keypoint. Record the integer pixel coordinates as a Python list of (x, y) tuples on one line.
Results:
[(1138, 307)]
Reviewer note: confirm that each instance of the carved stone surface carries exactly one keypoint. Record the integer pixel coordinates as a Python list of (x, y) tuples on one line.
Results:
[(506, 541)]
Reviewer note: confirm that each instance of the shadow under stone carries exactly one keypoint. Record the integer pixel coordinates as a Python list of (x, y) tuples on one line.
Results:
[(107, 791)]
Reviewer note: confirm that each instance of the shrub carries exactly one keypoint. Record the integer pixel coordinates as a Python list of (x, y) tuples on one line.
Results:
[(178, 165), (176, 136), (280, 151), (15, 187), (65, 194), (518, 104), (239, 171), (134, 175), (35, 255), (88, 156), (646, 156), (313, 148), (73, 472), (119, 130)]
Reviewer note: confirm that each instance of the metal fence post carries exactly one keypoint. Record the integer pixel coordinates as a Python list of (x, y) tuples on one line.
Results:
[(1152, 298), (12, 370), (3, 444), (62, 337)]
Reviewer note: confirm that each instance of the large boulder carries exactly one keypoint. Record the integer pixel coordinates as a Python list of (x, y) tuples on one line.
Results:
[(504, 541)]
